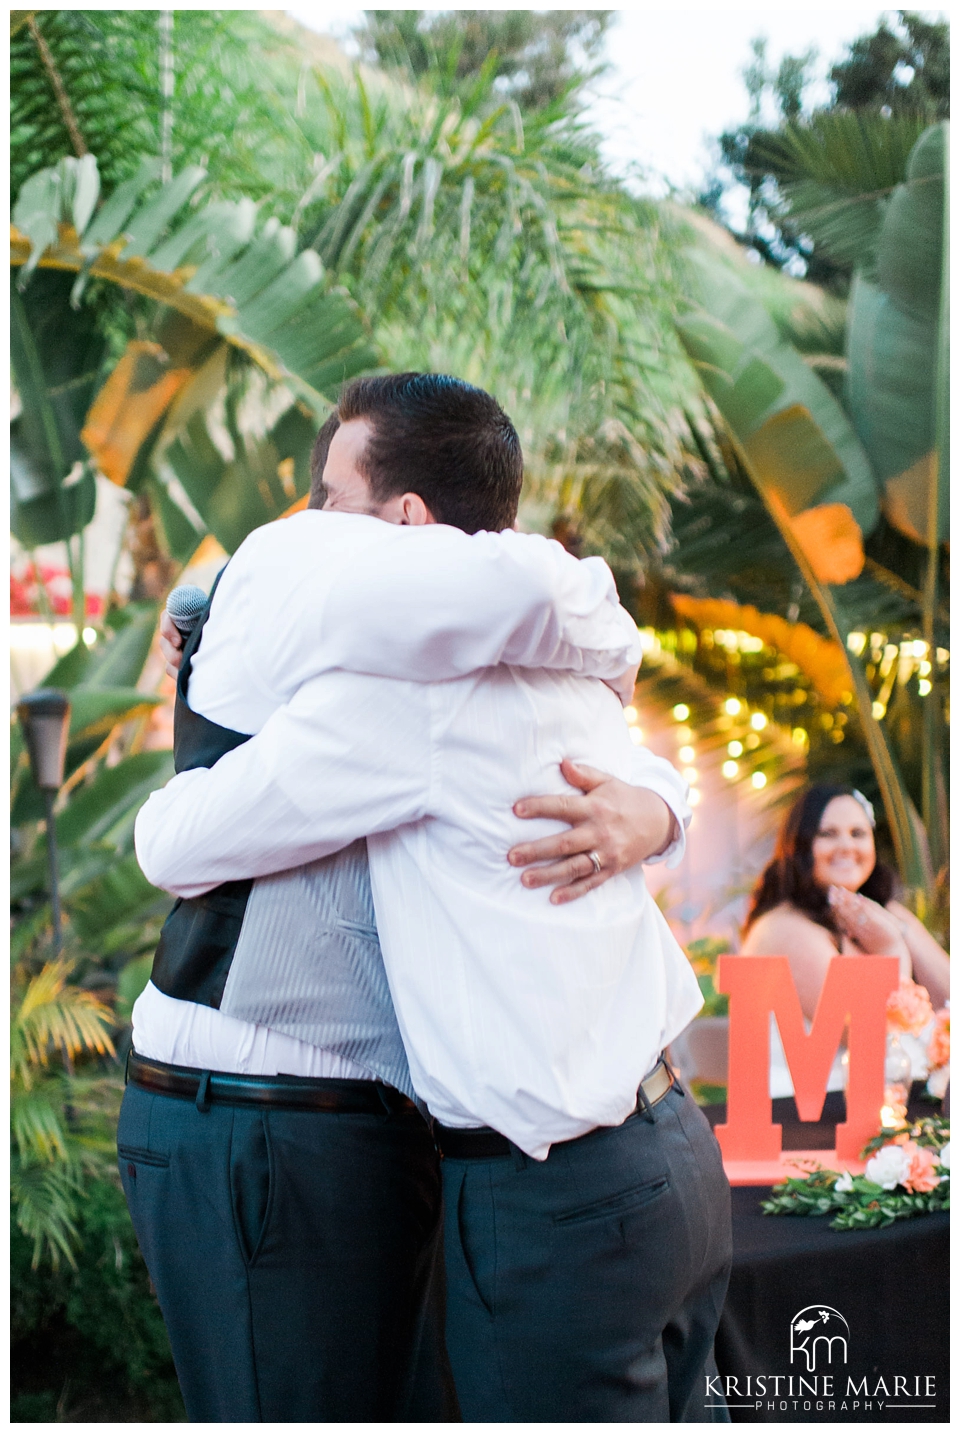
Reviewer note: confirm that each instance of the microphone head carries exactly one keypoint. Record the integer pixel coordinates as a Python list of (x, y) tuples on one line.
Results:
[(185, 605)]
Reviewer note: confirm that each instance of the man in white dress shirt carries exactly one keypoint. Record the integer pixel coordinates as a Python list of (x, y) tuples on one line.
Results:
[(587, 1223)]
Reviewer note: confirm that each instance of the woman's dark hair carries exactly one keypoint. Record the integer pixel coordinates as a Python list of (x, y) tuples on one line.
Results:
[(789, 876), (436, 436)]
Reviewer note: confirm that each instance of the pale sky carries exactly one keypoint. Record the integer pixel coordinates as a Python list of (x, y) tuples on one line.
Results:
[(676, 77)]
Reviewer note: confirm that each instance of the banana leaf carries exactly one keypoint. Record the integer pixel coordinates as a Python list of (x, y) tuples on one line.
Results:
[(116, 791), (257, 294), (894, 348), (118, 659), (754, 376), (56, 373), (802, 455), (264, 478), (119, 895)]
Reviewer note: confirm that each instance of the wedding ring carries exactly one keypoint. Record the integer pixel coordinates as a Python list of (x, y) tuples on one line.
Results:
[(597, 863)]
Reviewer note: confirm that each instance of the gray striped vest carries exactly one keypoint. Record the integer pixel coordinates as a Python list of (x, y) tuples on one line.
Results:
[(298, 951)]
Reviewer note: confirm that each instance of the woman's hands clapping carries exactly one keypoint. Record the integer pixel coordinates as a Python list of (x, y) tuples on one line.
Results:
[(868, 925)]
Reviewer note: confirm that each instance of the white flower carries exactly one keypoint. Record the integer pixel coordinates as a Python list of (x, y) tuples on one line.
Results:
[(943, 1158), (844, 1184), (938, 1082), (889, 1167)]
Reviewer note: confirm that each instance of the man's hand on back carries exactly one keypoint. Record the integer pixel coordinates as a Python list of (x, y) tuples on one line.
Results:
[(171, 644), (623, 824)]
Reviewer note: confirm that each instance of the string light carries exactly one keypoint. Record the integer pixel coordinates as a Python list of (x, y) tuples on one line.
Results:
[(684, 734), (691, 774), (687, 753), (752, 741), (693, 797), (758, 721), (799, 735), (735, 748), (879, 710), (681, 712), (732, 706), (636, 736), (630, 715), (730, 769), (925, 688), (856, 641), (758, 781), (90, 636)]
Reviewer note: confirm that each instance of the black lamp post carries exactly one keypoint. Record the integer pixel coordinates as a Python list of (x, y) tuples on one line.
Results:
[(45, 719)]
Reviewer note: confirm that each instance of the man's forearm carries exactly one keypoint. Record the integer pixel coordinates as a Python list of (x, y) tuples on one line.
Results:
[(331, 766), (439, 604)]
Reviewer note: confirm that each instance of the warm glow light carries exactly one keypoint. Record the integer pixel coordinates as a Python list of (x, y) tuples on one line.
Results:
[(89, 635), (732, 706), (630, 715), (730, 769), (758, 721), (636, 736), (693, 797), (924, 688), (735, 748), (799, 736), (687, 753), (879, 710), (752, 741), (681, 712), (925, 669), (856, 641), (691, 774), (758, 780)]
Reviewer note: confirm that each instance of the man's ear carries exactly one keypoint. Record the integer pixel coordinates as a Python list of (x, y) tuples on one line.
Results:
[(413, 511)]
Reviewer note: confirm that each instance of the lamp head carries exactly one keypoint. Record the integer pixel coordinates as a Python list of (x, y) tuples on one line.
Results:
[(45, 718)]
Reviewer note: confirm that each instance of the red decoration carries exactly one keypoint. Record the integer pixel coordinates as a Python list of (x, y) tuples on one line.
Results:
[(25, 596)]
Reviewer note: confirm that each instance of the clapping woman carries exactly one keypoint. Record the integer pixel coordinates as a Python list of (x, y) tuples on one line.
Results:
[(825, 894)]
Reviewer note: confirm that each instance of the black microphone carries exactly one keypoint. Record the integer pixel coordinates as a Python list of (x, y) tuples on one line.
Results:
[(184, 606)]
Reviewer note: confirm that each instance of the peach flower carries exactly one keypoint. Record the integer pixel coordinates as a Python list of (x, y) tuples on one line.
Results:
[(909, 1008), (921, 1177), (938, 1051)]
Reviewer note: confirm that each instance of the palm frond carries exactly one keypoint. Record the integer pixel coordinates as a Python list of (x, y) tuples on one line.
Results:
[(52, 1014), (836, 172), (45, 1199)]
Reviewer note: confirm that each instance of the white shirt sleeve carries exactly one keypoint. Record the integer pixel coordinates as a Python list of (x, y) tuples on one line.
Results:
[(437, 603), (346, 757), (656, 774)]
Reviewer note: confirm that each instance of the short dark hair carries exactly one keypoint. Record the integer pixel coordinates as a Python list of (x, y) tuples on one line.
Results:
[(789, 876), (436, 436)]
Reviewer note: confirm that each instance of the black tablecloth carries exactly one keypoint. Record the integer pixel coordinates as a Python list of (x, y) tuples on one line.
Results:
[(891, 1286)]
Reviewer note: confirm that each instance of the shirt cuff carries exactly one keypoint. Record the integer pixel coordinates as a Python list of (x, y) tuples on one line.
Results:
[(673, 790)]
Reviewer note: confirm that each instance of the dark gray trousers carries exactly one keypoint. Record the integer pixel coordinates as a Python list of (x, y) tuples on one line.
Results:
[(589, 1287), (296, 1258)]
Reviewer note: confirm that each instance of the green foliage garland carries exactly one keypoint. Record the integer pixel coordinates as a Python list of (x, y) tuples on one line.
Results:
[(864, 1204)]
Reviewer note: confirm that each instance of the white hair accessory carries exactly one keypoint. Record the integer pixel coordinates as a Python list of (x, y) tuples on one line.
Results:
[(859, 797)]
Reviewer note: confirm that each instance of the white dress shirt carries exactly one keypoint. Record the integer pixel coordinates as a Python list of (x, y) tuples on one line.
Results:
[(538, 1020), (322, 590)]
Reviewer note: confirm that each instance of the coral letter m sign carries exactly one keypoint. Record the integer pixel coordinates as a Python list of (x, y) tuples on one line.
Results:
[(854, 998)]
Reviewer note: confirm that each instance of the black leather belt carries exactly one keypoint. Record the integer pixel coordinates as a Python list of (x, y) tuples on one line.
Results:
[(488, 1144), (285, 1092)]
